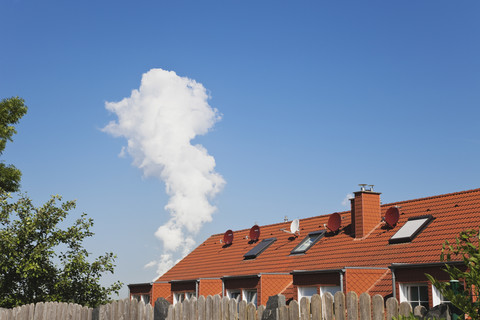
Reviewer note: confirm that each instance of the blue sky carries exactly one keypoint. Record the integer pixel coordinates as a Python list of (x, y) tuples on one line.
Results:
[(315, 97)]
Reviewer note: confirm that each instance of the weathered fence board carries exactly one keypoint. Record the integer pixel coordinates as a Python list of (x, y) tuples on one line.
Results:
[(326, 307)]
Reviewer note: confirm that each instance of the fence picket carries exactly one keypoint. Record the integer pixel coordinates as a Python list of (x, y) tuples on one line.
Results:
[(316, 307), (352, 305), (39, 311), (217, 307), (251, 311), (171, 312), (201, 308), (242, 310), (283, 313), (305, 309), (193, 309), (405, 309), (178, 312), (260, 312), (378, 307), (225, 312), (141, 310), (339, 305), (365, 303), (209, 308), (294, 310), (232, 309), (392, 308), (327, 300)]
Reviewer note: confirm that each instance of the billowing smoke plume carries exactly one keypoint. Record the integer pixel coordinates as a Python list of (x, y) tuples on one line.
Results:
[(159, 121)]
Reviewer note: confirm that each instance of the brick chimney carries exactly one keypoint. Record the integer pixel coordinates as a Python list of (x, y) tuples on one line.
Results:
[(365, 211)]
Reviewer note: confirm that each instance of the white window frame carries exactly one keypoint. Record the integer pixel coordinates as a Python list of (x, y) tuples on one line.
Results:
[(247, 298), (302, 292), (405, 287), (178, 297), (230, 293), (182, 296), (331, 289), (137, 297), (437, 297)]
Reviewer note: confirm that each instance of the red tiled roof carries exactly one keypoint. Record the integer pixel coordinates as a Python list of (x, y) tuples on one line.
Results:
[(452, 213)]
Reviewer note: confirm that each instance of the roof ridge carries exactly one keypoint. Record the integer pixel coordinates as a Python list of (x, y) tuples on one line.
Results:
[(348, 211), (434, 197)]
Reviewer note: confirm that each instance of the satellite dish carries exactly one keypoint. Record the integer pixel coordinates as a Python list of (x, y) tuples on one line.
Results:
[(295, 226), (228, 237), (334, 222), (254, 233), (391, 216)]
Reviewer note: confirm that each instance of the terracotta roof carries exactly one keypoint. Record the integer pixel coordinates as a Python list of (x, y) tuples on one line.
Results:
[(452, 213)]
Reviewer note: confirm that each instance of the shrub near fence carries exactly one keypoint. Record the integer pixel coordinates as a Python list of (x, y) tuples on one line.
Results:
[(338, 307)]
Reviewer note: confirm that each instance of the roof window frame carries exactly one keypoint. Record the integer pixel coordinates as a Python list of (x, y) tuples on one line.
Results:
[(253, 254), (316, 235), (409, 238)]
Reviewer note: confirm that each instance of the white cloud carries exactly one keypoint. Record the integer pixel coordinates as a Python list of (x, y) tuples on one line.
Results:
[(346, 200), (159, 121)]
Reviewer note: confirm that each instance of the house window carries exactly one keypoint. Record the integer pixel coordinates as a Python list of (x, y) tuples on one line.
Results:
[(415, 294), (437, 297), (234, 294), (331, 289), (146, 298), (306, 292), (136, 297), (181, 296), (250, 296), (308, 242)]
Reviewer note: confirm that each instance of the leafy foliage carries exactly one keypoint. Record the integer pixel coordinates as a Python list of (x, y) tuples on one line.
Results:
[(11, 110), (467, 247), (41, 261)]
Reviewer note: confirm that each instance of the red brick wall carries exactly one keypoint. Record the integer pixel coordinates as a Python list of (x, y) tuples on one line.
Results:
[(161, 290), (272, 284), (210, 287), (362, 280)]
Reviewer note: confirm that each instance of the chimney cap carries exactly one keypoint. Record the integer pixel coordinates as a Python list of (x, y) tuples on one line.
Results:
[(363, 187)]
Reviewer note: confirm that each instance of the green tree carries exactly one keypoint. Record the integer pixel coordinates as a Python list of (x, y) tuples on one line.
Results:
[(467, 247), (11, 110), (42, 261)]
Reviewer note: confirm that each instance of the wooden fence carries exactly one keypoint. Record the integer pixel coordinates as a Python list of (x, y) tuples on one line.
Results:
[(338, 307), (328, 307)]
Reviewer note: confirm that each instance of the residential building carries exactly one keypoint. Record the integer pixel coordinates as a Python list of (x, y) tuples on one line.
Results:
[(376, 248)]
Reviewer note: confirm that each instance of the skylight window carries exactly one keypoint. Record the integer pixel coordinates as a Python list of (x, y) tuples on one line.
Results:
[(410, 229), (259, 248), (308, 242)]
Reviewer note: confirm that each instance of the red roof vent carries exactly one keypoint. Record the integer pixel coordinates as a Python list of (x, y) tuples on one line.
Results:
[(334, 222), (391, 216), (228, 237), (254, 233)]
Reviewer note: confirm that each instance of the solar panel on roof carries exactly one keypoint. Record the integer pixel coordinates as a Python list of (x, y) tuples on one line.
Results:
[(410, 229), (259, 248)]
